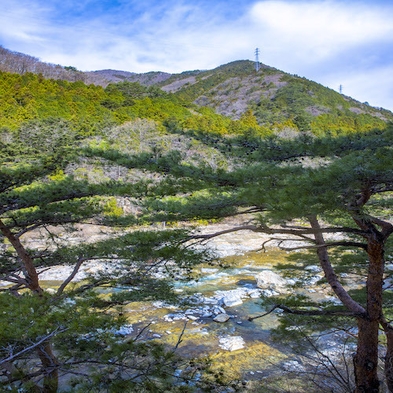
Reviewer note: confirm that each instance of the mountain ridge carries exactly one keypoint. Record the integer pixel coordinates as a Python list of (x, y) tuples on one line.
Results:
[(233, 90)]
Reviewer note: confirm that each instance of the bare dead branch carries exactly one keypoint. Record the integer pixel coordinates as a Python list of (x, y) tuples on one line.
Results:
[(15, 356), (225, 231), (305, 312), (331, 244), (266, 313), (285, 229), (180, 339), (141, 332)]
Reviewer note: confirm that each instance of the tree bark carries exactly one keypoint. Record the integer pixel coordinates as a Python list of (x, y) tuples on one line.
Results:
[(31, 275), (368, 319), (366, 358), (330, 275), (49, 363), (45, 353), (388, 329)]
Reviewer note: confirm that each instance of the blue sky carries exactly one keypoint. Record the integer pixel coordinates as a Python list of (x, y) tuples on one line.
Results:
[(333, 42)]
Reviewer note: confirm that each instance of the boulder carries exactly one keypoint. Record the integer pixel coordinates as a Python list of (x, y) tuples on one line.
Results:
[(233, 297), (231, 343), (221, 318), (269, 280)]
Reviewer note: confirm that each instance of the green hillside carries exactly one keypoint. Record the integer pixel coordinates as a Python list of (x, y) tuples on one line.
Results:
[(277, 100), (268, 101)]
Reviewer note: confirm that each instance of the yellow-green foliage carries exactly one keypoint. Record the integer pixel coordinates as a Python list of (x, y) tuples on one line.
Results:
[(207, 120), (300, 105), (111, 208), (29, 96), (338, 125), (58, 175)]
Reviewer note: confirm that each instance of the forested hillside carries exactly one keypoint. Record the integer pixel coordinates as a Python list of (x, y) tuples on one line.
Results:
[(267, 100), (146, 165)]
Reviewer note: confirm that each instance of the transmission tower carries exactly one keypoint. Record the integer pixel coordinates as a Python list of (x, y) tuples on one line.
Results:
[(341, 89), (257, 59)]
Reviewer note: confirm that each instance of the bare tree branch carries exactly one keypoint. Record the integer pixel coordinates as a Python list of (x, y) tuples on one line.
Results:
[(70, 277), (15, 356), (305, 312), (331, 244), (330, 274), (283, 230)]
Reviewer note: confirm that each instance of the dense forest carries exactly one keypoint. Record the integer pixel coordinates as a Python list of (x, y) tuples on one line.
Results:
[(147, 159)]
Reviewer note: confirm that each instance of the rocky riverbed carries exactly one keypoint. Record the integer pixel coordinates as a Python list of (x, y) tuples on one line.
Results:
[(215, 320)]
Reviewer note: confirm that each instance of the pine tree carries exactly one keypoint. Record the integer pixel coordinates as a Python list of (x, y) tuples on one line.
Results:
[(312, 189), (72, 330)]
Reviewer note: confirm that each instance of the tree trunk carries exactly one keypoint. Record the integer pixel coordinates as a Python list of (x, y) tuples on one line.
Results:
[(366, 358), (389, 355), (49, 364), (31, 276), (368, 319), (330, 275), (45, 353)]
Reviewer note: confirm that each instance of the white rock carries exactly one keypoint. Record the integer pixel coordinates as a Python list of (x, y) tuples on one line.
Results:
[(218, 310), (233, 297), (124, 330), (158, 304), (210, 300), (332, 299), (313, 268), (269, 293), (231, 343), (254, 293), (221, 318), (313, 280), (174, 317), (271, 280), (294, 366)]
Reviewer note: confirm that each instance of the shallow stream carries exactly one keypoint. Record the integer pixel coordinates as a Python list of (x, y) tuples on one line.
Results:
[(251, 351)]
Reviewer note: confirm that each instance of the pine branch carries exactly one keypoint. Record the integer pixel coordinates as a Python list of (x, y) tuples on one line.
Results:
[(331, 244), (70, 277), (305, 312)]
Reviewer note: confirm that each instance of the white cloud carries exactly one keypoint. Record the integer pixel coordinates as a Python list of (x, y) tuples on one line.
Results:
[(317, 30), (374, 86), (330, 41)]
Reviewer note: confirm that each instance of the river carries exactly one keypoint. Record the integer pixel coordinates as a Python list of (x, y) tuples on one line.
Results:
[(215, 322)]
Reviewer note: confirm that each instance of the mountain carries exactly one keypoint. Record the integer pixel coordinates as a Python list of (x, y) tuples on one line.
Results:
[(271, 98), (104, 77), (233, 88)]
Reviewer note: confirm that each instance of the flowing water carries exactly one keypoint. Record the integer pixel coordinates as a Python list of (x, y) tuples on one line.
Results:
[(201, 335), (244, 349)]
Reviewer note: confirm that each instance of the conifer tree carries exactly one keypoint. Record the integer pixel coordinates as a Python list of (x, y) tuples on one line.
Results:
[(311, 189), (71, 331)]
